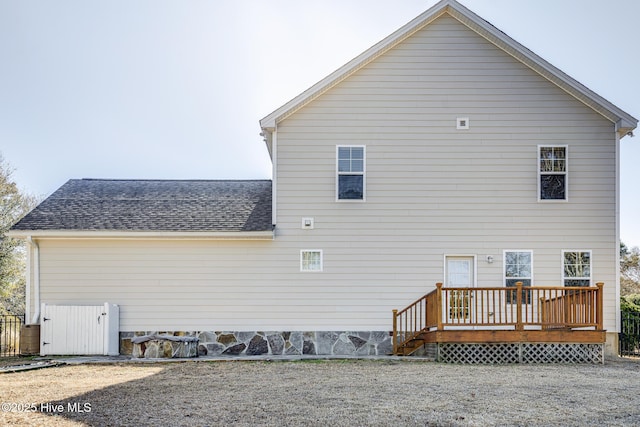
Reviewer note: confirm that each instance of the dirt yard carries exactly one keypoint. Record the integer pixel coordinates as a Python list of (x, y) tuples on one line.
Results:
[(323, 393)]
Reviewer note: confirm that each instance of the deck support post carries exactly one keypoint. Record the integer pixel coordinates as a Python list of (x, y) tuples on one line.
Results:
[(519, 325), (439, 305), (600, 313), (394, 335)]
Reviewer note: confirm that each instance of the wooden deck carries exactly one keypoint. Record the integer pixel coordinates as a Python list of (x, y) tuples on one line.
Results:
[(501, 315)]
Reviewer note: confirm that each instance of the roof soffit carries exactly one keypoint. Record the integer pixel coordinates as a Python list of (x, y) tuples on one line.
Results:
[(625, 122)]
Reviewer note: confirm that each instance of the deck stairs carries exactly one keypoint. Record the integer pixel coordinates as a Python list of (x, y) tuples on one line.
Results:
[(411, 346)]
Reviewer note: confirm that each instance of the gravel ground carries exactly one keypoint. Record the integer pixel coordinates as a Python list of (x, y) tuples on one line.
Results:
[(323, 393)]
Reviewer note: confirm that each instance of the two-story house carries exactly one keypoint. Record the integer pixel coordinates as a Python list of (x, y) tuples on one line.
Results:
[(446, 154)]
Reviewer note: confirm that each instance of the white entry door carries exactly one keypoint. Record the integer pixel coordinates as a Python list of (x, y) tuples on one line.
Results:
[(459, 273)]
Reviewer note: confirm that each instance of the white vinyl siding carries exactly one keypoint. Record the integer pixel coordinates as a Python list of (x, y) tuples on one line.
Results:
[(433, 189), (191, 285)]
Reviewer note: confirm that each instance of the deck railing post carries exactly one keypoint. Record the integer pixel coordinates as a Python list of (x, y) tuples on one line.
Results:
[(543, 313), (567, 298), (439, 305), (394, 336), (519, 325), (599, 308)]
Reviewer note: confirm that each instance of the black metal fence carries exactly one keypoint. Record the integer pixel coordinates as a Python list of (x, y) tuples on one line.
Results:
[(10, 335), (629, 339)]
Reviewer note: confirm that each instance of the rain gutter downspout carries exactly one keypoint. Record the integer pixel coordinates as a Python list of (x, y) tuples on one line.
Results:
[(36, 279)]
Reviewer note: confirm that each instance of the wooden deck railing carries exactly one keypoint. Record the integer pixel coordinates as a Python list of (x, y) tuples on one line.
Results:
[(518, 308), (409, 322)]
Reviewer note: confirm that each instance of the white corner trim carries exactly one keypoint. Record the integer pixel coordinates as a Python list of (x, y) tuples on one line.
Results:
[(274, 177)]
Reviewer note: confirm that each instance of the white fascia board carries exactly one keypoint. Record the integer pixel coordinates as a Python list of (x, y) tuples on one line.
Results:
[(484, 29), (151, 235)]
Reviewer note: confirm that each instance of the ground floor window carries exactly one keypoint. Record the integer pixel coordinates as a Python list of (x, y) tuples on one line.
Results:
[(518, 268), (576, 268), (310, 260)]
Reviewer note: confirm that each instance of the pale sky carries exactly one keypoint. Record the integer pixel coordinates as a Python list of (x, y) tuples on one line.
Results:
[(169, 89)]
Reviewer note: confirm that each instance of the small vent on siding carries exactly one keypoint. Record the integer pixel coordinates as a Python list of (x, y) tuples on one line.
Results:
[(307, 223), (462, 123)]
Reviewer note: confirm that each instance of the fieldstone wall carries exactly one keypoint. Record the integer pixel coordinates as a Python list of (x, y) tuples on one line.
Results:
[(330, 343)]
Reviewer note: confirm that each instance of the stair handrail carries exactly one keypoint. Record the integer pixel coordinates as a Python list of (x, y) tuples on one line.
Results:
[(415, 318)]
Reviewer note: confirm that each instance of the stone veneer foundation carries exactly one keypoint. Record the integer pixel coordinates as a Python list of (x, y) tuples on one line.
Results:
[(164, 346), (332, 343)]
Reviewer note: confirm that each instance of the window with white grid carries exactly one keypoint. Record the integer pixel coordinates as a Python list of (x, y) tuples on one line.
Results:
[(576, 268), (552, 172), (518, 268), (350, 167), (310, 260)]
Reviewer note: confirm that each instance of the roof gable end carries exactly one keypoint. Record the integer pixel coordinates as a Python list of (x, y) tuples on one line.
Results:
[(625, 123)]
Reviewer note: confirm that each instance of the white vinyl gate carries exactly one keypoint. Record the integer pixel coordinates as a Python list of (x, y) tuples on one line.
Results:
[(79, 330)]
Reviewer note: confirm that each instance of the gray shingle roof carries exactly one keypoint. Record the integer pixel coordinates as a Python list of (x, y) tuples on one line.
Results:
[(154, 205)]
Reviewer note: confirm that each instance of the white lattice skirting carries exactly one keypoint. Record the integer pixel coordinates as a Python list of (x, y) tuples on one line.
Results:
[(520, 353)]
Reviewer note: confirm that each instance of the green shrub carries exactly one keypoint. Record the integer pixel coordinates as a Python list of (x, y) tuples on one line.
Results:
[(630, 303)]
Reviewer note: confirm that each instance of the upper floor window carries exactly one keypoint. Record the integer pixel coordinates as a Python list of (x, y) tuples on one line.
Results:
[(350, 171), (552, 172), (576, 268)]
